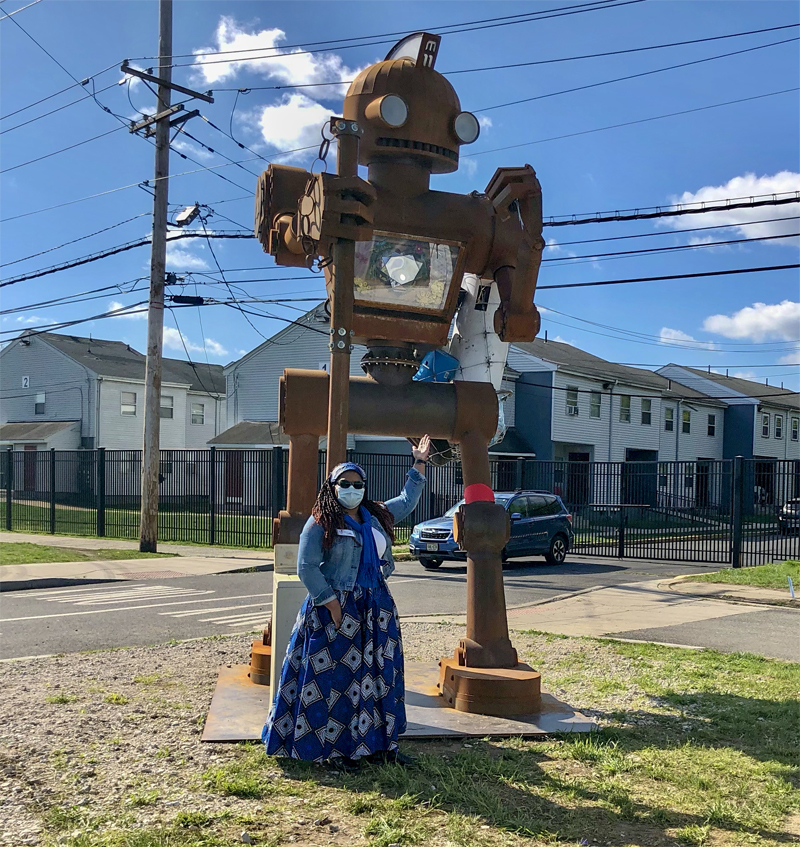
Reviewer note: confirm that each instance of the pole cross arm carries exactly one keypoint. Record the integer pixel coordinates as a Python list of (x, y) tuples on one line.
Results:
[(181, 119), (135, 127), (127, 69)]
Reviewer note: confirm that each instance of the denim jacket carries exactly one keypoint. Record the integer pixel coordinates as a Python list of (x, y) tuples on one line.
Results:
[(322, 571)]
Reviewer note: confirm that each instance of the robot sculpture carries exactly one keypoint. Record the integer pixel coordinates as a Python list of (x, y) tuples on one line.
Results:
[(395, 253)]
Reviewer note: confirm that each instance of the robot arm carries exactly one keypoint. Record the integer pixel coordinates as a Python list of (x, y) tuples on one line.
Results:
[(299, 215), (516, 196)]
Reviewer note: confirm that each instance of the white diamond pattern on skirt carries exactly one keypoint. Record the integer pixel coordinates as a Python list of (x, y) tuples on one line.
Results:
[(349, 626), (301, 726), (364, 721), (322, 661), (352, 658), (354, 692), (289, 692), (310, 694)]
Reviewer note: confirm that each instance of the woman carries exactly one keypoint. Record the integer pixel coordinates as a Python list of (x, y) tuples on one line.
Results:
[(341, 696)]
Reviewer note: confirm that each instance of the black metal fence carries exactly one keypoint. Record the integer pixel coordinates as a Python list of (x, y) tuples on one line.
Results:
[(736, 512)]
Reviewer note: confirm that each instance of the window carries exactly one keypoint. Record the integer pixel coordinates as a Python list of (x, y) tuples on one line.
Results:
[(38, 404), (167, 406), (520, 506), (686, 421), (572, 400), (662, 474), (128, 403), (647, 412), (778, 426), (795, 429), (765, 426), (198, 413), (669, 419), (625, 408), (712, 425), (594, 404)]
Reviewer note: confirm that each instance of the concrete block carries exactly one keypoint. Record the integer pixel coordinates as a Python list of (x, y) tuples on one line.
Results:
[(288, 594)]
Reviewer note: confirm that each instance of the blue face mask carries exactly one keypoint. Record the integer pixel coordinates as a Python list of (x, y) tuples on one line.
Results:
[(349, 498)]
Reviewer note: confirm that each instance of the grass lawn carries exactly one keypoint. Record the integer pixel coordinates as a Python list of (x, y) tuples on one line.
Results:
[(13, 553), (764, 576), (697, 748)]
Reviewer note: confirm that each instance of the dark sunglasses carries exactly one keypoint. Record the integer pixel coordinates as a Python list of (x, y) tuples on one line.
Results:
[(345, 483)]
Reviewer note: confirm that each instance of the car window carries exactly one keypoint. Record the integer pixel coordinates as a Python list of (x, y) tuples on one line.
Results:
[(552, 506), (520, 506), (537, 506)]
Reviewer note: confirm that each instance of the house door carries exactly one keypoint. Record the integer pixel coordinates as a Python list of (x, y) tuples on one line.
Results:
[(640, 477), (703, 487), (29, 467), (578, 479), (234, 475)]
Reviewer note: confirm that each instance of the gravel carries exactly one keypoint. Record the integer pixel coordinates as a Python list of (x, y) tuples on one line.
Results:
[(120, 729)]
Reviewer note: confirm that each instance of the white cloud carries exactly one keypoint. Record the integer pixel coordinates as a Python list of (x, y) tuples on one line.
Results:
[(115, 306), (175, 340), (791, 358), (293, 67), (680, 338), (468, 166), (485, 122), (552, 245), (182, 258), (192, 149), (748, 185), (760, 321), (293, 122), (129, 78)]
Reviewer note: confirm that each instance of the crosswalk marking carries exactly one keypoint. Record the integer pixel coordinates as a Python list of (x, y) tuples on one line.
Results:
[(137, 598), (192, 612)]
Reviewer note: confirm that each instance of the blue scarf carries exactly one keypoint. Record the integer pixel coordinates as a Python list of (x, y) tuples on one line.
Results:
[(369, 569)]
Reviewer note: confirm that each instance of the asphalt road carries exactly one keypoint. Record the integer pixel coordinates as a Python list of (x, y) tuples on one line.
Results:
[(121, 614)]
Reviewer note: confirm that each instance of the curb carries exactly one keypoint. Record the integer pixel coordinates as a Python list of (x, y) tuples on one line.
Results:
[(728, 598), (67, 581)]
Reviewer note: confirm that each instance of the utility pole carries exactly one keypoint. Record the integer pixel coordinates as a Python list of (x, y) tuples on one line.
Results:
[(151, 449)]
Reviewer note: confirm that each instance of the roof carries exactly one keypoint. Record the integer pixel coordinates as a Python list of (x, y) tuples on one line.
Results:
[(252, 434), (512, 444), (577, 361), (33, 430), (120, 360), (771, 394)]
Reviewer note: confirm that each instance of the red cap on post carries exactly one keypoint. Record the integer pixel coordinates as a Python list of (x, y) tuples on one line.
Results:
[(478, 492)]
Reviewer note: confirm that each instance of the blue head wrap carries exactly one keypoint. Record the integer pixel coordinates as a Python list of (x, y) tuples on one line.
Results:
[(347, 466)]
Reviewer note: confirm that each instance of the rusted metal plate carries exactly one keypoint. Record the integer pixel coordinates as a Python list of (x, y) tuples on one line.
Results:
[(239, 709)]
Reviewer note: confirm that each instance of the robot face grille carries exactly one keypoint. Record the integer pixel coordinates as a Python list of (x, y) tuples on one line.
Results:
[(417, 145)]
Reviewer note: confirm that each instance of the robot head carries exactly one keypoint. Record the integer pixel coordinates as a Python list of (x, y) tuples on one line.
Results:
[(408, 110)]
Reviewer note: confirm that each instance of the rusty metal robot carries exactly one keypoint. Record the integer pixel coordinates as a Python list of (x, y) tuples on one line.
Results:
[(394, 253)]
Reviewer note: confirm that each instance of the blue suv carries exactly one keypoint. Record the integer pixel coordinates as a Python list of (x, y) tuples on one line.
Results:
[(540, 526)]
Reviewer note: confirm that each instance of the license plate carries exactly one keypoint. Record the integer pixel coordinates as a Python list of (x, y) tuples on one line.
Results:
[(432, 548)]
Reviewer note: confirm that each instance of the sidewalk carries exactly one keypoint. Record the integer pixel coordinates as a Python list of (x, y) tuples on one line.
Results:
[(188, 561), (653, 611)]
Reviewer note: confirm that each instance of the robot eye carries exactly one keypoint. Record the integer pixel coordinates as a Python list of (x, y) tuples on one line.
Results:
[(466, 127), (390, 109)]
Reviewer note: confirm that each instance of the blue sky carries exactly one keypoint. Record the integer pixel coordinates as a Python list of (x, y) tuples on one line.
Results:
[(747, 323)]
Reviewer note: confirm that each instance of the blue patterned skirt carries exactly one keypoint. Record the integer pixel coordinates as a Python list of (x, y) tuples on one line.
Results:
[(341, 692)]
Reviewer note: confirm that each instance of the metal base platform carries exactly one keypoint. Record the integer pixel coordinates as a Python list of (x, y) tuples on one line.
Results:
[(239, 708)]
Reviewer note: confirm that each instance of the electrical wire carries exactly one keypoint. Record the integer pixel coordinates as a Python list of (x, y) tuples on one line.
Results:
[(17, 11), (60, 108), (62, 150), (632, 123), (191, 363), (75, 240), (671, 276), (655, 251), (633, 76)]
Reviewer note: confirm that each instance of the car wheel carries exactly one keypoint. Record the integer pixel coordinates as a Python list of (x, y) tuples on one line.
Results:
[(430, 564), (558, 551)]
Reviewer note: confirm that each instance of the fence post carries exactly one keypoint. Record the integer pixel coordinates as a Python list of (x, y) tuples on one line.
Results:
[(52, 491), (277, 481), (518, 474), (9, 484), (737, 495), (100, 486), (621, 533), (212, 495)]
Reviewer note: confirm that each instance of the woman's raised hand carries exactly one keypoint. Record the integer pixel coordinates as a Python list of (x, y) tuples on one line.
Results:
[(422, 450)]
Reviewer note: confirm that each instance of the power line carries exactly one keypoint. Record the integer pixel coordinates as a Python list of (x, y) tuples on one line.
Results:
[(17, 11), (487, 23), (62, 150), (627, 254), (668, 232), (680, 209), (633, 76), (671, 276), (631, 123), (74, 240), (524, 64), (59, 109), (104, 254)]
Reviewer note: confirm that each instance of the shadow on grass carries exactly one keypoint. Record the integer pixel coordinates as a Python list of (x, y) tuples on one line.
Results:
[(727, 763)]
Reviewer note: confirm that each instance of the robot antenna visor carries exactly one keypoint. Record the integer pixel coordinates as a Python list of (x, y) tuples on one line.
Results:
[(466, 127), (390, 110)]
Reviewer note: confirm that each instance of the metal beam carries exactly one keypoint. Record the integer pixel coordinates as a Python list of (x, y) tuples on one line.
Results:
[(181, 119), (127, 69), (155, 118)]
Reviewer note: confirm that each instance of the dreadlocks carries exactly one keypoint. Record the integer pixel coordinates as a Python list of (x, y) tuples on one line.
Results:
[(329, 514)]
